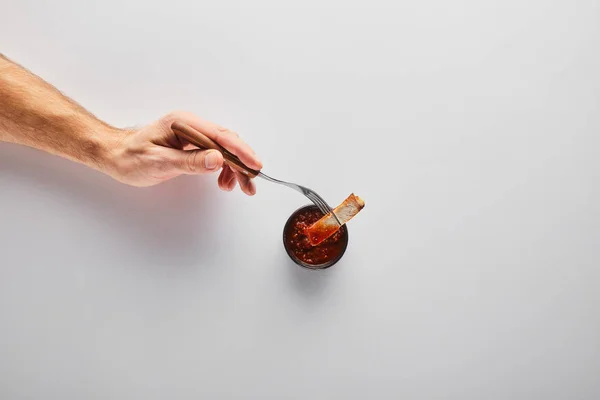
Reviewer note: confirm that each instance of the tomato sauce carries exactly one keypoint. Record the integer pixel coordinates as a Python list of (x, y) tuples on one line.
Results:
[(298, 242)]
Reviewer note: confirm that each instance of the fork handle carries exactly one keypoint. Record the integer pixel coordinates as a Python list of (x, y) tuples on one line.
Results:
[(204, 142)]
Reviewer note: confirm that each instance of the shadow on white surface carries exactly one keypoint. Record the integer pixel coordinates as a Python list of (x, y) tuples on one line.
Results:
[(308, 284), (168, 224)]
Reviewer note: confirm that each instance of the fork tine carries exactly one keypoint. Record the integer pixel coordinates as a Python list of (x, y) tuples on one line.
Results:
[(323, 202), (328, 209), (318, 202), (312, 198), (314, 201)]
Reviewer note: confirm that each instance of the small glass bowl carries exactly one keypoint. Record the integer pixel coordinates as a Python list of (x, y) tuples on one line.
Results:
[(302, 263)]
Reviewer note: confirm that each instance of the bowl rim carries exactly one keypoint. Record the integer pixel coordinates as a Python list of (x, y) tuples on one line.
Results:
[(301, 263)]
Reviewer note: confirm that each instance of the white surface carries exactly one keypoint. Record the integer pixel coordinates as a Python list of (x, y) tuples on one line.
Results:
[(473, 272)]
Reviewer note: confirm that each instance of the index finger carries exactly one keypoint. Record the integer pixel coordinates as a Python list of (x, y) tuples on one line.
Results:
[(223, 136)]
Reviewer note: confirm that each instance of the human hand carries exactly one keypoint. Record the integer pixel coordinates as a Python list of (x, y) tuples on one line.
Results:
[(36, 114), (154, 154)]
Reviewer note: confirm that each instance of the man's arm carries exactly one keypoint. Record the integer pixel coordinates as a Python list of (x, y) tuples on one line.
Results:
[(35, 114)]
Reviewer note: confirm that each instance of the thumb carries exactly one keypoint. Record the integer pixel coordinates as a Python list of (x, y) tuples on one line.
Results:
[(200, 161)]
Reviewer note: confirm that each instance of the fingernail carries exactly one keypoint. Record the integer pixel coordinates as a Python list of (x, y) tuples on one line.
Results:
[(211, 160)]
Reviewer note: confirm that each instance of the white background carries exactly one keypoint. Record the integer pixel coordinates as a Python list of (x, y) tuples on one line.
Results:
[(470, 128)]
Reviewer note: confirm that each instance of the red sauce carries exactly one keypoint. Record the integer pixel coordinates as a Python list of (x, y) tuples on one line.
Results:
[(299, 244)]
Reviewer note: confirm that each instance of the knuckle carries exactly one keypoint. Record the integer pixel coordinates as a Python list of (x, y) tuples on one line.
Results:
[(192, 161), (172, 116), (168, 119), (220, 131)]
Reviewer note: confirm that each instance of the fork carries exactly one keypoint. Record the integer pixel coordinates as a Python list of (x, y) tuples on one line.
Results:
[(202, 141)]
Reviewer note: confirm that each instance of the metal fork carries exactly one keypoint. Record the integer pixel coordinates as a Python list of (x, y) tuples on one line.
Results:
[(311, 194), (200, 140)]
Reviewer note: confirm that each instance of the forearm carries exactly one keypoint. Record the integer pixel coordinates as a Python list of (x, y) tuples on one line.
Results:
[(35, 114)]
